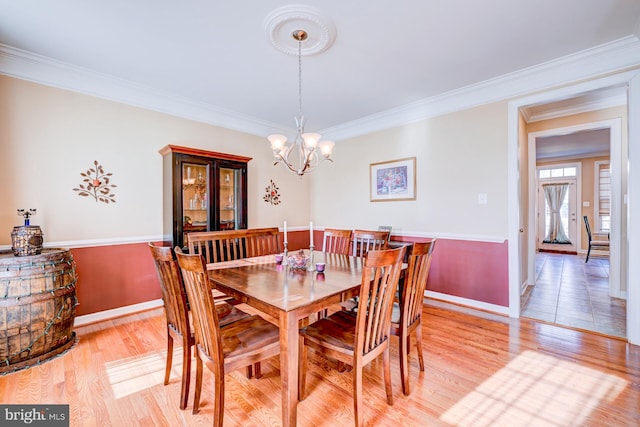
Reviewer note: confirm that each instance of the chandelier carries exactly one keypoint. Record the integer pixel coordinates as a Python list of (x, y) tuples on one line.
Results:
[(306, 151)]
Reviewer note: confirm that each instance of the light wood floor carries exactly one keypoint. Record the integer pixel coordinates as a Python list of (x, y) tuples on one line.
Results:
[(481, 370)]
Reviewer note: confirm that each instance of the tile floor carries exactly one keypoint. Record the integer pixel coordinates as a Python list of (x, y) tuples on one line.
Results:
[(573, 293)]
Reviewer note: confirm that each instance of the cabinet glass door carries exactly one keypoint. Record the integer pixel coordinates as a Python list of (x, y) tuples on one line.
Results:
[(195, 198), (230, 204)]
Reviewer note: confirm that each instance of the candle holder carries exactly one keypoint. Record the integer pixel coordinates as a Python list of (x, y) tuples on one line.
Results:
[(286, 251), (312, 265), (27, 239)]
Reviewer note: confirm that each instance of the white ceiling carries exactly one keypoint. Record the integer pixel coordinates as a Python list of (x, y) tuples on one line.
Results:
[(216, 57)]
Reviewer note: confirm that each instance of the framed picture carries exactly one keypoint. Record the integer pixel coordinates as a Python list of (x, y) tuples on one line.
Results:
[(393, 180)]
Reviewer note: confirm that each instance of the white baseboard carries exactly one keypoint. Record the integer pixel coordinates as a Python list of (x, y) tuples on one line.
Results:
[(116, 312), (468, 302)]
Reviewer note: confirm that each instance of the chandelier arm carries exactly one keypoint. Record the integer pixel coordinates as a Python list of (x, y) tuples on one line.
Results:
[(307, 164), (287, 164)]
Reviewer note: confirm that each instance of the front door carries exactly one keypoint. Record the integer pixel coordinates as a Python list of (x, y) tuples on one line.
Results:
[(557, 214)]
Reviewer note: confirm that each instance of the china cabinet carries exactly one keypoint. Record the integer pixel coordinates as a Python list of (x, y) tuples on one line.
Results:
[(202, 191)]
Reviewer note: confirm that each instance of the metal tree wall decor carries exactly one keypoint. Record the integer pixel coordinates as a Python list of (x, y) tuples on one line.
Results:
[(272, 195), (97, 184)]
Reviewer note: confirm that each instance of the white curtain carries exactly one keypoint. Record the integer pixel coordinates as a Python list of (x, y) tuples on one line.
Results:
[(554, 195)]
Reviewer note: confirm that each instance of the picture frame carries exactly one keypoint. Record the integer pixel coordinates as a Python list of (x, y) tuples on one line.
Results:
[(393, 180)]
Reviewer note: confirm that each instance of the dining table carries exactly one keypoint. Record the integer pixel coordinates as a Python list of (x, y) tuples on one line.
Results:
[(288, 295)]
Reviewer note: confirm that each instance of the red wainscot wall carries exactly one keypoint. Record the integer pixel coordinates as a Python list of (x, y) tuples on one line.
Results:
[(473, 270), (469, 269), (114, 276)]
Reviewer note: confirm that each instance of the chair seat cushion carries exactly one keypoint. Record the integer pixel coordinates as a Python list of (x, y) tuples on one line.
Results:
[(337, 330), (247, 335), (600, 243)]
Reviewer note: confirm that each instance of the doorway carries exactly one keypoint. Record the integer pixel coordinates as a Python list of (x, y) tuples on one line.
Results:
[(572, 283), (519, 202), (518, 222)]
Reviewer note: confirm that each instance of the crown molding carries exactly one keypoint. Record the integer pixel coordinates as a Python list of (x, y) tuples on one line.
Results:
[(619, 55), (622, 54), (582, 107), (25, 65)]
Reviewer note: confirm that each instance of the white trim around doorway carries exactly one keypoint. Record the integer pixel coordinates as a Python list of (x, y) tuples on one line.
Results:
[(516, 238)]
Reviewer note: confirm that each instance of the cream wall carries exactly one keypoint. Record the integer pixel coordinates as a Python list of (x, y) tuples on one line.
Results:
[(48, 136), (459, 155)]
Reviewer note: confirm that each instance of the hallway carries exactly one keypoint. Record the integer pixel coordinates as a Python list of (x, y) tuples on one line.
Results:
[(573, 293)]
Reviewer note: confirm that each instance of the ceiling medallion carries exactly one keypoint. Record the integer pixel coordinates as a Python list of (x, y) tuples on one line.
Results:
[(282, 22)]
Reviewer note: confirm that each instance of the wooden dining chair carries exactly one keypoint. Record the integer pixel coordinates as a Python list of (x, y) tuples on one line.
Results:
[(227, 245), (406, 317), (596, 244), (357, 339), (363, 242), (336, 241), (176, 311), (222, 349), (368, 240)]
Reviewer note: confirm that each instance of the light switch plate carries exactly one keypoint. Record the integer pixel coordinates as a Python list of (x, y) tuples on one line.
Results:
[(586, 204), (482, 198)]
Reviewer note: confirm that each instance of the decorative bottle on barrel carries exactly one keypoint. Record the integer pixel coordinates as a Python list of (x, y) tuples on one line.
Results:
[(26, 239)]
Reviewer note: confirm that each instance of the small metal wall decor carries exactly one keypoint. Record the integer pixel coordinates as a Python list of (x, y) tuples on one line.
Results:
[(272, 196), (97, 184), (26, 239)]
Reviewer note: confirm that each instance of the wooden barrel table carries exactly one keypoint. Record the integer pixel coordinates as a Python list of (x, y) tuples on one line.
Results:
[(37, 307)]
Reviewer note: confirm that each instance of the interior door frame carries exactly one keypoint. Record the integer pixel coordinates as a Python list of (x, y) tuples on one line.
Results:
[(517, 241)]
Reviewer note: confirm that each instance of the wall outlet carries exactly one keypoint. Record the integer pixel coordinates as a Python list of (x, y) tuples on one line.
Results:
[(586, 204)]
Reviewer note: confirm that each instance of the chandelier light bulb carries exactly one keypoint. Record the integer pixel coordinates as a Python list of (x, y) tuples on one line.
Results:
[(326, 148), (277, 141), (311, 139)]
